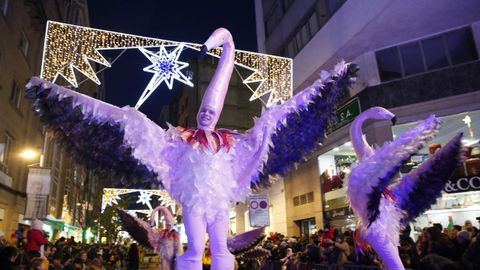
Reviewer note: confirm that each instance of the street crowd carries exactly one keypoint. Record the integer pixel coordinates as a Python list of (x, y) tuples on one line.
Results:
[(456, 247)]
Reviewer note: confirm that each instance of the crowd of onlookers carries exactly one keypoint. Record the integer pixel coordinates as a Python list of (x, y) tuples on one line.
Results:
[(457, 247), (65, 254)]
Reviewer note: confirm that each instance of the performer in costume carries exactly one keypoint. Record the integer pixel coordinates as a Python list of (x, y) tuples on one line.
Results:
[(205, 169), (167, 241), (169, 245), (383, 204)]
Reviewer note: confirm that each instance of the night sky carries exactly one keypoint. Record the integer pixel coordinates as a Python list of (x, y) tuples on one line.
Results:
[(188, 21)]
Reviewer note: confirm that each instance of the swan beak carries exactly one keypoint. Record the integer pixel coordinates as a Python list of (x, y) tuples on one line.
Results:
[(394, 120), (203, 51)]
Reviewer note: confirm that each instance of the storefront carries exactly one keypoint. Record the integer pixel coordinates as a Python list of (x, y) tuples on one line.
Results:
[(334, 165), (461, 196)]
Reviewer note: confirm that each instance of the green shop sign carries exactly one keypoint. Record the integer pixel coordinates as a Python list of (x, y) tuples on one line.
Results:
[(344, 115)]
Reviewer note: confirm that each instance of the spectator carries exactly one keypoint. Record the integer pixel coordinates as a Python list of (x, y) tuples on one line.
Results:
[(436, 262), (438, 243), (35, 237), (133, 257), (8, 255), (3, 241), (341, 249), (471, 258), (36, 264)]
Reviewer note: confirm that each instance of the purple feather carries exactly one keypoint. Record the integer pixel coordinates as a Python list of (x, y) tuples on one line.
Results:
[(99, 146), (305, 130), (243, 242), (134, 227), (429, 179)]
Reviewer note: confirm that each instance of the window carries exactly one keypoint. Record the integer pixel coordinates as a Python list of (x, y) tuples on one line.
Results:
[(460, 46), (435, 54), (24, 44), (303, 199), (411, 58), (4, 6), (296, 200), (310, 197), (450, 48), (389, 64), (5, 149), (16, 96)]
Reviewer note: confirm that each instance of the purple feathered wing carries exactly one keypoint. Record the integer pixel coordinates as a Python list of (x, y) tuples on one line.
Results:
[(148, 237), (139, 229), (420, 188), (98, 135), (290, 132)]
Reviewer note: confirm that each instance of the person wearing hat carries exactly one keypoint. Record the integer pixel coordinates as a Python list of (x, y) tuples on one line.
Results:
[(35, 237)]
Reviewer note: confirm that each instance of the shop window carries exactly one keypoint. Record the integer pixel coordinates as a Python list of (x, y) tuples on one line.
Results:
[(461, 46), (435, 54), (411, 58), (334, 165), (4, 7), (460, 198)]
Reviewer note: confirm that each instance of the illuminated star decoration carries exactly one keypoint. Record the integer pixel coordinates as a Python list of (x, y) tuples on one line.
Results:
[(144, 198), (166, 68)]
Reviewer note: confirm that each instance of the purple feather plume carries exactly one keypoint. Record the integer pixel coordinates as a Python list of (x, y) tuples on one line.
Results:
[(429, 179), (304, 130), (245, 241), (97, 145), (134, 227)]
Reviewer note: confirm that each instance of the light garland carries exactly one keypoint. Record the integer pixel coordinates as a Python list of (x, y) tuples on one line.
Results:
[(68, 47), (166, 68), (111, 197)]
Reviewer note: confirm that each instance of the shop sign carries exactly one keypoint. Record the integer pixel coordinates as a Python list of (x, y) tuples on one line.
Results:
[(463, 184), (345, 115), (258, 211)]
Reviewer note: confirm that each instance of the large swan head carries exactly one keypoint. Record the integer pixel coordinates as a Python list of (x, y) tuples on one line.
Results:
[(214, 97), (379, 113)]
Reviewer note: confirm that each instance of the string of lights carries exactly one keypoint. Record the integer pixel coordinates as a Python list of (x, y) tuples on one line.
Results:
[(68, 47)]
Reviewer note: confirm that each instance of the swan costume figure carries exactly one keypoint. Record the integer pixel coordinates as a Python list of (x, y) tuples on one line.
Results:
[(204, 169), (165, 242), (383, 204)]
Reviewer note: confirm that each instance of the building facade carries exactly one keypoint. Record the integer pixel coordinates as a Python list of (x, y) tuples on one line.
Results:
[(22, 30), (415, 59)]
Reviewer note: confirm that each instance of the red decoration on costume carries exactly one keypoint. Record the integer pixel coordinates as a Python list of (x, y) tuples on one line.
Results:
[(220, 138), (169, 234), (388, 194)]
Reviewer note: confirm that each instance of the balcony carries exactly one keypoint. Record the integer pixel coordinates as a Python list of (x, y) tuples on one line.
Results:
[(423, 87), (4, 178)]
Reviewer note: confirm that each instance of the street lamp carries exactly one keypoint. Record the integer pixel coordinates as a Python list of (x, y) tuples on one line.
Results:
[(29, 154)]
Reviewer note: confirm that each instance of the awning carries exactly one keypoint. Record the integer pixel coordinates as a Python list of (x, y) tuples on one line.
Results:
[(54, 223)]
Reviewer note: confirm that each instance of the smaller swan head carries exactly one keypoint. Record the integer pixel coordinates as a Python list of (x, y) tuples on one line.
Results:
[(379, 113)]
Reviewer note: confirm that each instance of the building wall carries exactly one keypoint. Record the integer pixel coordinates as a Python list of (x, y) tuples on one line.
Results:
[(305, 179), (354, 32), (17, 27), (27, 19)]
